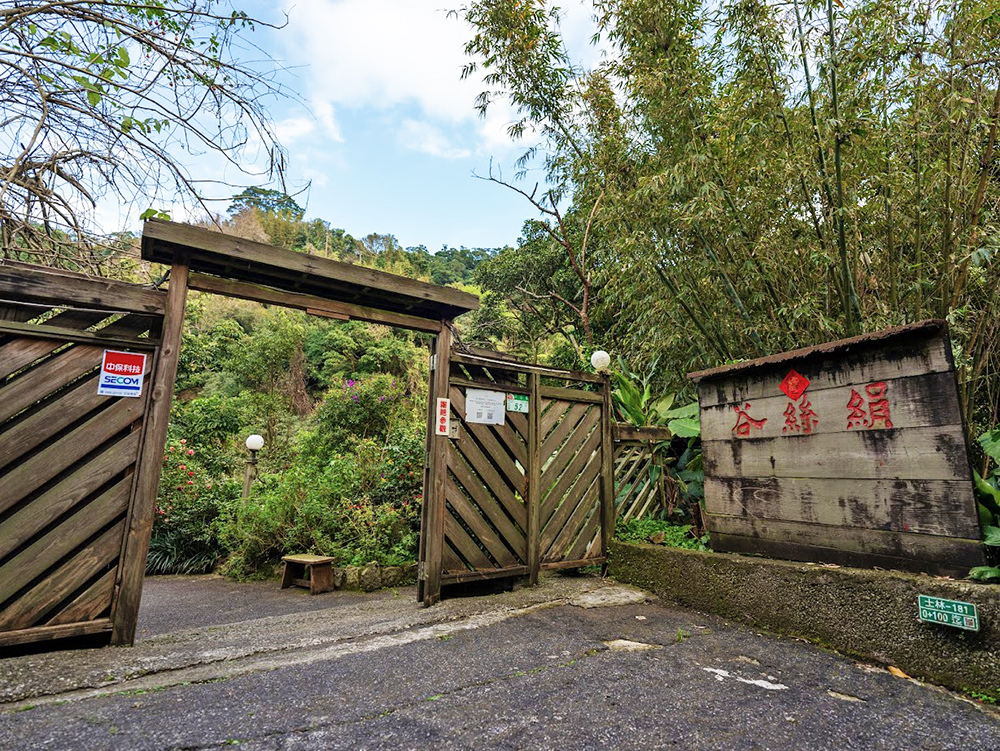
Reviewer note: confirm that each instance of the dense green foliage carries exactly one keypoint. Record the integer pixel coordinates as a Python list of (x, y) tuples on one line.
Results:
[(740, 178), (660, 532)]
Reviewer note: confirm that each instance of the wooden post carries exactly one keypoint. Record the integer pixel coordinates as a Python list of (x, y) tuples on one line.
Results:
[(534, 477), (607, 473), (125, 610), (437, 475), (426, 486)]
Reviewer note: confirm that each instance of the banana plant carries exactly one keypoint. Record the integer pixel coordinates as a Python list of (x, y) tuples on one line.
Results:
[(988, 497)]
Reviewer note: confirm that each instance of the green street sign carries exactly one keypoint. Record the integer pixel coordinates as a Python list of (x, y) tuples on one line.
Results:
[(948, 612), (517, 403)]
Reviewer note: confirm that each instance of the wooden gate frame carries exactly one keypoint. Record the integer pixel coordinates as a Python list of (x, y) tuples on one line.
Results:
[(432, 539), (208, 261)]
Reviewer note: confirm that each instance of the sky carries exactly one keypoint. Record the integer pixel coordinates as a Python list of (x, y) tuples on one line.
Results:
[(385, 132)]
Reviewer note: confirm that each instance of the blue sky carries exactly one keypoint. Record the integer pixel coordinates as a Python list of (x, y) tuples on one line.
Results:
[(385, 130)]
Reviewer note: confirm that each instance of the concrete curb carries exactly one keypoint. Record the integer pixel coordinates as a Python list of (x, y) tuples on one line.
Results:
[(870, 614)]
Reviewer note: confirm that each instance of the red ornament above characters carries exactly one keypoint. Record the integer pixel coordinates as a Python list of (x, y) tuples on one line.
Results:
[(794, 385)]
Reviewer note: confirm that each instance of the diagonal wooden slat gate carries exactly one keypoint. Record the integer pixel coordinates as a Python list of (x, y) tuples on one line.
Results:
[(68, 455), (530, 494)]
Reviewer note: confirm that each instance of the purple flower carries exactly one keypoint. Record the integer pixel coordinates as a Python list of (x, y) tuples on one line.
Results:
[(381, 398), (355, 397)]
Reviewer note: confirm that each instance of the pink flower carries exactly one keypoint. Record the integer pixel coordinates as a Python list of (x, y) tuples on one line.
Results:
[(183, 441), (190, 474), (190, 482), (171, 448), (181, 466), (190, 452)]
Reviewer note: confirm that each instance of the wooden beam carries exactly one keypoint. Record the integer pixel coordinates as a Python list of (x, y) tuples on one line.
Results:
[(309, 303), (41, 331), (523, 367), (43, 633), (607, 472), (623, 432), (434, 497), (36, 284), (125, 610), (175, 237), (534, 477)]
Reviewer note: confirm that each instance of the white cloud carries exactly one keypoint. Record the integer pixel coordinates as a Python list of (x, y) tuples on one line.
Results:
[(429, 139), (381, 53), (292, 129)]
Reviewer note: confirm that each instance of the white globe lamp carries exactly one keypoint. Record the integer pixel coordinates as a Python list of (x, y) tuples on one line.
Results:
[(255, 442), (600, 360)]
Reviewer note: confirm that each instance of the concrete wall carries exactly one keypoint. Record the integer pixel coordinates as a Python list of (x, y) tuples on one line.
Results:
[(867, 614)]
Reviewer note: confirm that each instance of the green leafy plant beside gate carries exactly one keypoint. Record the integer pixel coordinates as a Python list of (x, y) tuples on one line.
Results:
[(988, 496)]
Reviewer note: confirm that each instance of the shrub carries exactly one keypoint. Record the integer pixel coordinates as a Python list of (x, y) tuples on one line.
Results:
[(185, 535)]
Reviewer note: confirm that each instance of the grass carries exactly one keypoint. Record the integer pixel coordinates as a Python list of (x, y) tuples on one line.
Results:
[(661, 533)]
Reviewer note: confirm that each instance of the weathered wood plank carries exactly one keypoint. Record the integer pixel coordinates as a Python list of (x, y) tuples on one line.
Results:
[(554, 493), (860, 368), (570, 395), (61, 541), (317, 306), (90, 605), (17, 440), (451, 562), (462, 577), (935, 453), (554, 466), (437, 475), (478, 525), (175, 237), (468, 450), (491, 446), (954, 551), (533, 477), (35, 606), (48, 464), (37, 284), (19, 353), (586, 506), (552, 413), (44, 331), (623, 432), (566, 375), (914, 402), (23, 524), (48, 633), (560, 507), (156, 406), (50, 376), (486, 502), (933, 507), (571, 419), (465, 545)]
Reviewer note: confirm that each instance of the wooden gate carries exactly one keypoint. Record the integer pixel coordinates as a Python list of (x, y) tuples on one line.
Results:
[(68, 455), (514, 498)]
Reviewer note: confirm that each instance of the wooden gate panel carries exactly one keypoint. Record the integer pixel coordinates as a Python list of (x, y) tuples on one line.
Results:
[(570, 493), (67, 458), (516, 498), (485, 518)]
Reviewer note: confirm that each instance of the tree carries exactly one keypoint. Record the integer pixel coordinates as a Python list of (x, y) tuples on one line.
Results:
[(100, 98), (267, 200), (774, 174)]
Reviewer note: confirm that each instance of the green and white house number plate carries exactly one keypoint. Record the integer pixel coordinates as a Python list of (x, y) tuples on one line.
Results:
[(948, 612), (517, 403)]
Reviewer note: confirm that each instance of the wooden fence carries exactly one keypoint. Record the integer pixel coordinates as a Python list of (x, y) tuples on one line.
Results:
[(69, 456)]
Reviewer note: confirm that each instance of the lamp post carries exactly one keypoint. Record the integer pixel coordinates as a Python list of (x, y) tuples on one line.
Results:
[(254, 444)]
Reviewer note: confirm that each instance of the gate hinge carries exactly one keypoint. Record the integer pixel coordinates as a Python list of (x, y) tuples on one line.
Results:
[(434, 362)]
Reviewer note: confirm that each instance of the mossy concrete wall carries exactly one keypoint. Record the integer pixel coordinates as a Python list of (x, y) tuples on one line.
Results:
[(868, 614)]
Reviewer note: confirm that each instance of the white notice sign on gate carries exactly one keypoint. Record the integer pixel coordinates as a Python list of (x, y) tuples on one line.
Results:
[(485, 407)]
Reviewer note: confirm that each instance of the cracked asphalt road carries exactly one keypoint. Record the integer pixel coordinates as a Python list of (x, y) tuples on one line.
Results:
[(524, 670)]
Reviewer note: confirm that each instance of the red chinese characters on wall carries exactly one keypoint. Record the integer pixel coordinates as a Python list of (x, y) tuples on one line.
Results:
[(744, 422), (872, 412), (799, 414)]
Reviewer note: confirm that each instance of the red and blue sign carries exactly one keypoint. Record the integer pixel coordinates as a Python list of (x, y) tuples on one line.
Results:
[(121, 373)]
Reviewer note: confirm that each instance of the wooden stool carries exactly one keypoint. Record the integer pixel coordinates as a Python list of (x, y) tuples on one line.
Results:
[(320, 571)]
